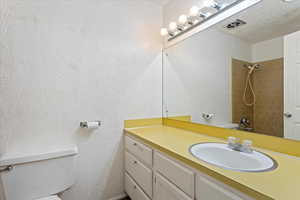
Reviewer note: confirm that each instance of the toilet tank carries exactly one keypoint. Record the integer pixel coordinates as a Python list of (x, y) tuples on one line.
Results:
[(36, 175)]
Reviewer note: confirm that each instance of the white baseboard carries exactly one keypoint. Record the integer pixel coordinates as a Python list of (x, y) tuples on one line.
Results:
[(121, 196)]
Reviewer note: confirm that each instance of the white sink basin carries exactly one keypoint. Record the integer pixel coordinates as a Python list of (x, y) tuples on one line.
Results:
[(222, 156)]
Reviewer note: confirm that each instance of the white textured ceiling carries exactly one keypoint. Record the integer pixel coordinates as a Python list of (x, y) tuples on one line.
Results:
[(266, 20)]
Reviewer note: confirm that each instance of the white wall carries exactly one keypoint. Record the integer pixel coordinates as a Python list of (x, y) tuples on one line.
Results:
[(198, 75), (267, 50), (63, 61)]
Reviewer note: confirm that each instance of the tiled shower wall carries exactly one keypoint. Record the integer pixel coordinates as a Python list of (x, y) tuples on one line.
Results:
[(268, 87), (267, 114)]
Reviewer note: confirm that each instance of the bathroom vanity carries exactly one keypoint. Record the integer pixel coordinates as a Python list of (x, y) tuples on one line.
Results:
[(151, 174), (159, 166)]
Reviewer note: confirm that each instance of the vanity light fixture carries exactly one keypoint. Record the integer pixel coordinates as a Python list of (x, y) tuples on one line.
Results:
[(288, 1), (173, 28), (182, 21), (207, 14), (194, 11), (195, 15), (203, 19), (164, 32), (212, 4)]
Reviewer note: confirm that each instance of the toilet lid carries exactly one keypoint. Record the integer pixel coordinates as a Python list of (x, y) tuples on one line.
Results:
[(50, 198)]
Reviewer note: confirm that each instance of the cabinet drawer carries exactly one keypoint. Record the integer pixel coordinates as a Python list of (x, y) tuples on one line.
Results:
[(176, 173), (139, 172), (165, 190), (141, 151), (130, 186), (133, 190)]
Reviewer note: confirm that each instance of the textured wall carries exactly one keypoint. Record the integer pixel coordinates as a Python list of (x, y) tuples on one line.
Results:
[(267, 50), (63, 61)]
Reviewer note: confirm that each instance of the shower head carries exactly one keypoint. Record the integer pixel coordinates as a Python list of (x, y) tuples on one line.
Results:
[(252, 67), (256, 66)]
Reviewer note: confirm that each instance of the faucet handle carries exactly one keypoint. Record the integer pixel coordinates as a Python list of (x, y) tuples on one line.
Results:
[(232, 140), (247, 144), (233, 143)]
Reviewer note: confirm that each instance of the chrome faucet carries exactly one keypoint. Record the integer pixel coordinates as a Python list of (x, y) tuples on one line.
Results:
[(234, 144), (244, 124)]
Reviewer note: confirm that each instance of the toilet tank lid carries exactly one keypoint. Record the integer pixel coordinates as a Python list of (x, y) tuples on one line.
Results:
[(25, 157)]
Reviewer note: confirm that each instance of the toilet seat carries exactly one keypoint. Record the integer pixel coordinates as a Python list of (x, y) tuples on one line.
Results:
[(54, 197)]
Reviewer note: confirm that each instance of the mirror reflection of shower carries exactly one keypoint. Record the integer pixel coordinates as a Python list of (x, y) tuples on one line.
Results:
[(249, 85)]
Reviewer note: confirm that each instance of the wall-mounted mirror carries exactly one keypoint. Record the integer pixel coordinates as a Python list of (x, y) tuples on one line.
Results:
[(242, 73)]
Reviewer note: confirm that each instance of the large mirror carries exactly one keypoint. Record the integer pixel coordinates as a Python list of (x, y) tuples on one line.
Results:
[(242, 73)]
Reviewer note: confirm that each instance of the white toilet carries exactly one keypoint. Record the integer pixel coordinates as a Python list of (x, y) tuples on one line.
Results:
[(37, 176)]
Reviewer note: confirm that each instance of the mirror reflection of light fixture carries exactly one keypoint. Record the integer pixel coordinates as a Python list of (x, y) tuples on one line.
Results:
[(204, 19)]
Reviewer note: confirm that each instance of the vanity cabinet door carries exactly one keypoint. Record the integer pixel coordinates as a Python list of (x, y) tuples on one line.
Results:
[(139, 172), (133, 190), (207, 189), (176, 173), (165, 190)]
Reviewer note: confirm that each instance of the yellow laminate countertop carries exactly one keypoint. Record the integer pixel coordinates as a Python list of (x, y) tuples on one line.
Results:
[(282, 183)]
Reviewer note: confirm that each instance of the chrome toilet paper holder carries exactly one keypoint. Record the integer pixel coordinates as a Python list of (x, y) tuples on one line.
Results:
[(86, 124), (207, 116), (7, 168)]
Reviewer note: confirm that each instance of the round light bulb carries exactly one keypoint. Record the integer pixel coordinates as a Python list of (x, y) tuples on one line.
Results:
[(183, 19), (163, 32), (194, 11), (172, 26)]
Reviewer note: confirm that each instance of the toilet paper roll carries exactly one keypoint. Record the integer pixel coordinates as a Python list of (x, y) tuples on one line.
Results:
[(93, 124)]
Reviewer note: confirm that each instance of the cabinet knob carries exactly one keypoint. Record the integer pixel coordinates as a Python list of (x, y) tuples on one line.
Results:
[(134, 144), (135, 162)]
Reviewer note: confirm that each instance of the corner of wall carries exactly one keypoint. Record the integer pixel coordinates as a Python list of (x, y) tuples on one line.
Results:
[(267, 49)]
